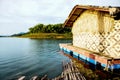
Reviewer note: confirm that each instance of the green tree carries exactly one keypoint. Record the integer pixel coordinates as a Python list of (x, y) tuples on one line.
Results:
[(50, 28)]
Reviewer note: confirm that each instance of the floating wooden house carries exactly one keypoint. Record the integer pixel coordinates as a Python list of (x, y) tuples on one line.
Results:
[(96, 35)]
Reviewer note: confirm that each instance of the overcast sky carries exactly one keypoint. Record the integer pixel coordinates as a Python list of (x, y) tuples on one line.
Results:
[(18, 15)]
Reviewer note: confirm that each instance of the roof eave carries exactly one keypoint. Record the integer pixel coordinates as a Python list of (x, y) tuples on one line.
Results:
[(82, 8)]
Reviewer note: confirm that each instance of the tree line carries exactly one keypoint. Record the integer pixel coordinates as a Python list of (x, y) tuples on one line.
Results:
[(50, 28)]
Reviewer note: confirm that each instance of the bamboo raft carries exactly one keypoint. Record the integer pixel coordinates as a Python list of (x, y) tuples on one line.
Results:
[(70, 72)]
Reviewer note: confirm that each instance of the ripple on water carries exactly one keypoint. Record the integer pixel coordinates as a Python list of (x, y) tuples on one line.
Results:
[(36, 57)]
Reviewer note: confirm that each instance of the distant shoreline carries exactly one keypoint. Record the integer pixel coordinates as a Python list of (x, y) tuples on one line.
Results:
[(47, 36)]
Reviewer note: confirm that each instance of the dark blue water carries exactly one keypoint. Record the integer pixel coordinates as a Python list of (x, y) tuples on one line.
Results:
[(30, 57)]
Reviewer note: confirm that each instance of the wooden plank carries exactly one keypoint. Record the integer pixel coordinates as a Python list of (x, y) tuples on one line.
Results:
[(44, 77), (22, 78), (34, 78), (71, 72)]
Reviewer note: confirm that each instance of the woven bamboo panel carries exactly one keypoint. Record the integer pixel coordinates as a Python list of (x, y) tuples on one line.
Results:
[(112, 41), (97, 32), (84, 23)]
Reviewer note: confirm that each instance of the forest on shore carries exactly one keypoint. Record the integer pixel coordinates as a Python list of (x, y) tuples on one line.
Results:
[(47, 31), (50, 28)]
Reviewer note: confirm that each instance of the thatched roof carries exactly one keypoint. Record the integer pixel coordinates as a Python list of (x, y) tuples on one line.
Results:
[(78, 9)]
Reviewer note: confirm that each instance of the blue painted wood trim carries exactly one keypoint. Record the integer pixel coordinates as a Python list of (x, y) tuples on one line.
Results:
[(75, 54)]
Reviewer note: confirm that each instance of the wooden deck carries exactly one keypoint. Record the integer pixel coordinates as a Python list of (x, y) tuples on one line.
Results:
[(70, 72), (92, 57)]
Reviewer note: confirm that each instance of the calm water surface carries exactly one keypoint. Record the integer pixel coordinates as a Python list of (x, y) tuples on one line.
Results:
[(30, 57)]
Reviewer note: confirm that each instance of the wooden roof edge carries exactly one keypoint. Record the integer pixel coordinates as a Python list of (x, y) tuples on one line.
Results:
[(73, 10), (88, 7), (65, 23)]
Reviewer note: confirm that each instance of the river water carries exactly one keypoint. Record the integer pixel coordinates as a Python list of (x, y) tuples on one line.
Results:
[(30, 57)]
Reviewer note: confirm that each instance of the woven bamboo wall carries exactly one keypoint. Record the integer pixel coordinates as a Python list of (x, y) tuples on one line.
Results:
[(111, 43), (98, 32)]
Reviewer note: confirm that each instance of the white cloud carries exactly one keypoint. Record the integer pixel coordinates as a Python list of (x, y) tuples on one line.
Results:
[(18, 15)]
